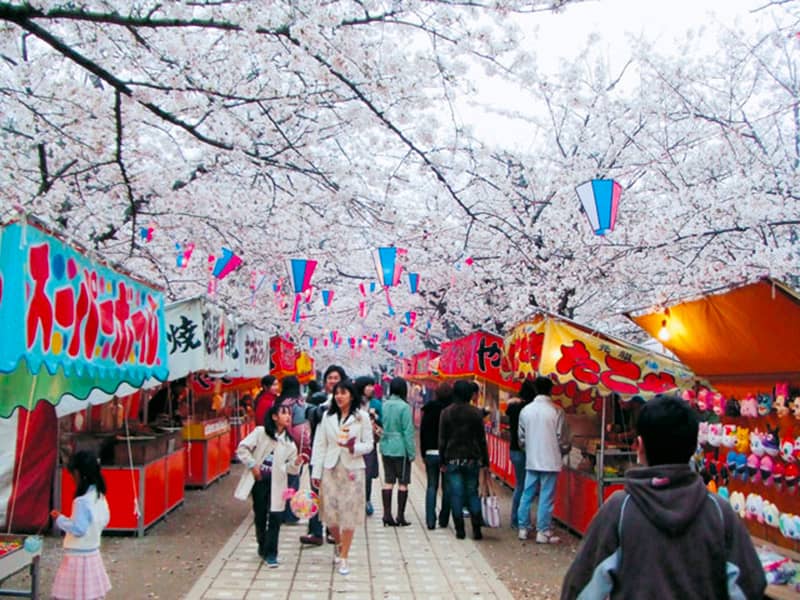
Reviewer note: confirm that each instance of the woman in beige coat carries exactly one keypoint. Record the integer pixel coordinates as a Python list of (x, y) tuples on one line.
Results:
[(269, 455), (343, 437)]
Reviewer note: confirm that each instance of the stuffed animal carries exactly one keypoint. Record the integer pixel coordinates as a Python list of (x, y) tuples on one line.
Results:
[(754, 468), (741, 466), (738, 503), (771, 514), (765, 467), (796, 521), (718, 403), (742, 440), (782, 400), (702, 433), (732, 408), (764, 405), (729, 436), (715, 434), (777, 473), (790, 476), (786, 525), (757, 443), (724, 493), (770, 441), (787, 447), (796, 407), (754, 508), (690, 397), (703, 400), (730, 462), (749, 406)]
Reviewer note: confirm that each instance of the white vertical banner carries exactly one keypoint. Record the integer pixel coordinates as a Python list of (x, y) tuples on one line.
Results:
[(253, 352), (185, 338)]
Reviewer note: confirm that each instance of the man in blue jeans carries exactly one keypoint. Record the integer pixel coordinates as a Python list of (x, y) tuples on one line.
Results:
[(544, 435), (513, 408), (462, 455)]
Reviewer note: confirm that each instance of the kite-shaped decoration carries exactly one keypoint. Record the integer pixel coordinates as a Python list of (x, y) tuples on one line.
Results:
[(600, 200), (184, 254), (413, 282), (301, 271), (146, 233), (389, 270), (226, 264), (410, 318), (327, 297)]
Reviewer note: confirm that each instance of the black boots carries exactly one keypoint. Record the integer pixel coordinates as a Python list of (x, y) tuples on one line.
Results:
[(386, 496), (476, 527), (402, 499), (458, 521)]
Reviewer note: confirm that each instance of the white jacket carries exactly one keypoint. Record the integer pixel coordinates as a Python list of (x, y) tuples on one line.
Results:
[(90, 515), (327, 451), (252, 451), (542, 431)]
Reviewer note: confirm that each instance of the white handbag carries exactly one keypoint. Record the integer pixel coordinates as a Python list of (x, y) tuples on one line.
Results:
[(490, 507)]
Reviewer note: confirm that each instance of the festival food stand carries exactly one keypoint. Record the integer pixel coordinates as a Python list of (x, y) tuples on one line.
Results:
[(75, 329), (592, 371), (478, 357), (203, 345), (744, 341), (16, 554), (423, 375)]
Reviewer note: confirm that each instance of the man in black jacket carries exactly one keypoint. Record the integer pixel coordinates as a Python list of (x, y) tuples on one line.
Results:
[(665, 535)]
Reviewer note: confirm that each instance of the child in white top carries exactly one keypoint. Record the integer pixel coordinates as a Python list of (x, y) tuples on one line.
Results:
[(269, 455), (82, 575)]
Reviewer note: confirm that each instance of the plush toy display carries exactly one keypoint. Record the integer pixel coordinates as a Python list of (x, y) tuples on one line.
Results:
[(771, 514), (787, 446), (703, 403), (764, 405), (732, 408), (741, 466), (754, 507), (782, 400), (765, 467), (729, 436), (796, 407), (754, 468), (738, 503), (749, 406), (742, 440), (790, 476), (702, 433), (770, 441), (718, 403), (715, 434), (777, 473), (757, 443)]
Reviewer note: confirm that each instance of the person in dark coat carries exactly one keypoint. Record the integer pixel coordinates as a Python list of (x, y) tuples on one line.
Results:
[(463, 453), (429, 446), (527, 392)]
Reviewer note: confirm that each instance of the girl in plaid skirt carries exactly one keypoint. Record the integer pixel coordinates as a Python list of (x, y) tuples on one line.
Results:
[(82, 575)]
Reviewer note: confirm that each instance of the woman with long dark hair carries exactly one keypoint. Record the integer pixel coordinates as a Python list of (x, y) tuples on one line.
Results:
[(342, 439), (429, 446)]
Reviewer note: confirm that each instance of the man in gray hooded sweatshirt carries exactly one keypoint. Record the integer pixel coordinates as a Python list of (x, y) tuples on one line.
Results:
[(665, 535)]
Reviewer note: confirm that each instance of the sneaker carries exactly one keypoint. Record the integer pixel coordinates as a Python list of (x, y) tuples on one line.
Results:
[(311, 540), (546, 537), (272, 563), (336, 558), (343, 568), (370, 509), (522, 533)]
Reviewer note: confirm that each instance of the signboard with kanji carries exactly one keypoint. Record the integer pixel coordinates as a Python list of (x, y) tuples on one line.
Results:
[(477, 354)]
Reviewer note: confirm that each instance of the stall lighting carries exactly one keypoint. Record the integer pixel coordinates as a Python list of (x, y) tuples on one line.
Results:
[(663, 333)]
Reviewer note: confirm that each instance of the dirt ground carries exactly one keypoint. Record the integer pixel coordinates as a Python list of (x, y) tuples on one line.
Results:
[(166, 562)]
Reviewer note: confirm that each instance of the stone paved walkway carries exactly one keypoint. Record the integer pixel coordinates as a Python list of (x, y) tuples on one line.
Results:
[(403, 563)]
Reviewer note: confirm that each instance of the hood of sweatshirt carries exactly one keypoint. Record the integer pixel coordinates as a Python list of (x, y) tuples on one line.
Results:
[(670, 496)]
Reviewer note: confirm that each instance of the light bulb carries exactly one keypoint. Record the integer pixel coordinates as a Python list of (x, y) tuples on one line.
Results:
[(663, 333)]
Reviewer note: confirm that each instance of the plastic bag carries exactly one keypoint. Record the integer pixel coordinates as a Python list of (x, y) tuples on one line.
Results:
[(490, 509)]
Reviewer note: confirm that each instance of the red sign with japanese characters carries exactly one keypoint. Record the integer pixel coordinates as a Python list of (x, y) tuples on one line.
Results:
[(478, 354), (283, 357)]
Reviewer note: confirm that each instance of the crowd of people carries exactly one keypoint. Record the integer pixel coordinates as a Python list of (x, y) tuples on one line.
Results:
[(679, 539)]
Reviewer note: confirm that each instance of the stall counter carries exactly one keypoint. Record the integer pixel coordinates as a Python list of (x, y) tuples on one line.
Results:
[(158, 484), (16, 556), (207, 445)]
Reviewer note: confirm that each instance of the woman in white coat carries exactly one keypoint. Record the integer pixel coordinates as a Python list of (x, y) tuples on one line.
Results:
[(269, 455), (343, 437)]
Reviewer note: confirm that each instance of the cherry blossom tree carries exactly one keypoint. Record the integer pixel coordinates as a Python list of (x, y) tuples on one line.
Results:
[(324, 130)]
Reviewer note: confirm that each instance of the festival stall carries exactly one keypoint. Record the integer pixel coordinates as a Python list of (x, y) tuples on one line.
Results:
[(424, 379), (282, 357), (744, 341), (76, 330), (597, 376), (478, 357), (203, 345)]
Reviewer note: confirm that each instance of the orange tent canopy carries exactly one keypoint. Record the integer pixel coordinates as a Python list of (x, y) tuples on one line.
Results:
[(741, 340)]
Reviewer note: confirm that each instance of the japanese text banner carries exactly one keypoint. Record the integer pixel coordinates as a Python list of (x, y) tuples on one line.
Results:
[(553, 347), (62, 311)]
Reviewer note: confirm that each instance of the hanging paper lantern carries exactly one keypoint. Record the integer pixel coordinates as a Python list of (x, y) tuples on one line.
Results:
[(413, 282), (301, 271), (226, 264), (600, 200)]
